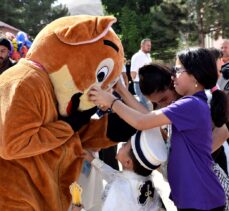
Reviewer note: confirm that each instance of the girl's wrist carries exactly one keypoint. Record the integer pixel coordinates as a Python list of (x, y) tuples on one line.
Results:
[(113, 102)]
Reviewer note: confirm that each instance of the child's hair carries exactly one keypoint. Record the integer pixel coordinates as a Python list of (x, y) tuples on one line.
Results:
[(137, 167), (201, 63), (155, 78)]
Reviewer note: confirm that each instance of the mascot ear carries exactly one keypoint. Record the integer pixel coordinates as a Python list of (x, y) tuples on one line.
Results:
[(88, 31)]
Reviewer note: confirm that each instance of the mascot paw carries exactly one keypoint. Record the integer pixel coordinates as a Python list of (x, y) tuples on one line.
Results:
[(75, 117)]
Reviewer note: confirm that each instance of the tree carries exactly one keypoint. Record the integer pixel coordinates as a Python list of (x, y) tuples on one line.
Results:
[(167, 23), (129, 30), (30, 15), (208, 17), (9, 12), (225, 19), (171, 24), (158, 20)]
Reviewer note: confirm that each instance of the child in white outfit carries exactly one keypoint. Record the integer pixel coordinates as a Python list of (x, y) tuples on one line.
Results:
[(132, 189)]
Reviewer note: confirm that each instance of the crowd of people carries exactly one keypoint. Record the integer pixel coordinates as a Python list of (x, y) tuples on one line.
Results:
[(191, 99), (12, 48), (187, 104)]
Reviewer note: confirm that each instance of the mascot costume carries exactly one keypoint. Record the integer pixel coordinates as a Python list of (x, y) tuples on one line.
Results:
[(45, 115)]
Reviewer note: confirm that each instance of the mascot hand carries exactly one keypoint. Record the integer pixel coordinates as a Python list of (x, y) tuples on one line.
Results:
[(78, 118)]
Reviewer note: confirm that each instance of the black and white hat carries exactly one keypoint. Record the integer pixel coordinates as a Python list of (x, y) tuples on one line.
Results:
[(149, 148)]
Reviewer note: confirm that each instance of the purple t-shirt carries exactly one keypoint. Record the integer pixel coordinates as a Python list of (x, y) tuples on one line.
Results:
[(192, 181)]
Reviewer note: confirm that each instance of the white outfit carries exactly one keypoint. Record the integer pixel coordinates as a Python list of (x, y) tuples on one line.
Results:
[(138, 60), (92, 184), (124, 190)]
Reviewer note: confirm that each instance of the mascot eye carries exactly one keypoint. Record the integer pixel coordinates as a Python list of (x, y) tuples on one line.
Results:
[(102, 73)]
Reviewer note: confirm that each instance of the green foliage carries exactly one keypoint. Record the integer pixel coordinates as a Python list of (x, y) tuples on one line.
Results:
[(157, 20), (209, 17), (133, 29), (225, 18), (170, 24), (9, 12), (166, 27), (30, 15), (129, 30), (57, 11)]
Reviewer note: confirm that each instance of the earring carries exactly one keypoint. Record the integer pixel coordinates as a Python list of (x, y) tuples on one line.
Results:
[(196, 85)]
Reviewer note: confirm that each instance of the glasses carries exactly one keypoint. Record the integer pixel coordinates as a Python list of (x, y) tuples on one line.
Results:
[(178, 70)]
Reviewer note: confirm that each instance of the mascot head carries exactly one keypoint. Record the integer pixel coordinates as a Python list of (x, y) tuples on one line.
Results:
[(78, 52)]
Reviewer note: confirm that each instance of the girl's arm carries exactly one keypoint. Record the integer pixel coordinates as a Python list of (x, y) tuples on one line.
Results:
[(128, 98), (135, 118)]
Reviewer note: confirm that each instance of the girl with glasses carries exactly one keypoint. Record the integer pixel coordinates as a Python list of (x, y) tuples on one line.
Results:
[(190, 173)]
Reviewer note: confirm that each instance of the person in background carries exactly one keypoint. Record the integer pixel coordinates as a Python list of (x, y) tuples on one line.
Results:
[(189, 158), (224, 80), (225, 51), (5, 48), (15, 55), (130, 80), (138, 60)]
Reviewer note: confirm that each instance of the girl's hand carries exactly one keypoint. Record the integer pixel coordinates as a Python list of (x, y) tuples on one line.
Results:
[(101, 98)]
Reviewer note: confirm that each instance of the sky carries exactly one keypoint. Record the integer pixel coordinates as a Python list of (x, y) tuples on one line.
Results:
[(78, 2), (76, 7)]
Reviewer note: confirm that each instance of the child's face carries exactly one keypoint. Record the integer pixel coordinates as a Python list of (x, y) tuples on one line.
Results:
[(123, 153)]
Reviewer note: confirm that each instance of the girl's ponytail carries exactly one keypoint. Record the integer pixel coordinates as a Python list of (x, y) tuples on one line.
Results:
[(219, 108)]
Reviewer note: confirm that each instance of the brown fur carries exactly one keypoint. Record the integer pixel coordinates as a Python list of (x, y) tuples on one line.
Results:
[(39, 154)]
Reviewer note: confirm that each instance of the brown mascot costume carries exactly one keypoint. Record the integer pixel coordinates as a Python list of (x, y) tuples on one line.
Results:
[(45, 113)]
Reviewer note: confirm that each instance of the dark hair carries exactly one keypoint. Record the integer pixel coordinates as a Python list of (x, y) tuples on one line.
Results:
[(201, 63), (219, 108), (137, 167), (155, 78), (217, 54), (5, 42)]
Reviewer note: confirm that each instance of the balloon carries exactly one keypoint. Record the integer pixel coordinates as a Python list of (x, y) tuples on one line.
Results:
[(21, 37), (22, 40)]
